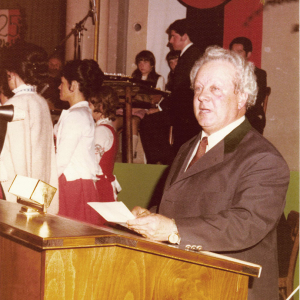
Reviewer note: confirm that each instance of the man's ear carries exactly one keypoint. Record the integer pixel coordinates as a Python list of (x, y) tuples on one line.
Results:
[(184, 37), (243, 97), (249, 54)]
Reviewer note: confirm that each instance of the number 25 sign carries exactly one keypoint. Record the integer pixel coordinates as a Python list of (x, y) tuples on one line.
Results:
[(10, 23)]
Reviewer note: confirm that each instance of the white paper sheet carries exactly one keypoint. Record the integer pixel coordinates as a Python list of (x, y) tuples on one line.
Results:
[(116, 212)]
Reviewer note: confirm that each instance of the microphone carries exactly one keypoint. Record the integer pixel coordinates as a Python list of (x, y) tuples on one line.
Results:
[(9, 113), (93, 11), (44, 89)]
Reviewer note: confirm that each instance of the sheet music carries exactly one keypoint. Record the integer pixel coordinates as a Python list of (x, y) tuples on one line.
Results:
[(116, 212)]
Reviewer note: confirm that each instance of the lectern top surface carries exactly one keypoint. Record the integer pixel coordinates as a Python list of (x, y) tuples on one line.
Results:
[(45, 232)]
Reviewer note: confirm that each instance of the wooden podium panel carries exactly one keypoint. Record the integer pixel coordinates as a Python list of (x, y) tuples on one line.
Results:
[(49, 257)]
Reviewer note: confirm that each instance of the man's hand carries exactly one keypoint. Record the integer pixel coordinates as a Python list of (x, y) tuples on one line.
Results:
[(138, 211), (152, 226), (151, 111)]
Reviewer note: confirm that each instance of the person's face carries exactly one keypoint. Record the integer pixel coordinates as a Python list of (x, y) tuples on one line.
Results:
[(215, 103), (176, 40), (65, 92), (239, 49), (173, 63), (55, 66), (145, 67)]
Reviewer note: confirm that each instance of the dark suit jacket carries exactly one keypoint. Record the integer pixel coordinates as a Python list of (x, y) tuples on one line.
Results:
[(182, 96), (181, 80), (256, 114), (231, 200), (184, 122)]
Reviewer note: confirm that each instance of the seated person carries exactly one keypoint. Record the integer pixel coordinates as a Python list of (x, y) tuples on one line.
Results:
[(155, 127), (145, 62), (104, 105)]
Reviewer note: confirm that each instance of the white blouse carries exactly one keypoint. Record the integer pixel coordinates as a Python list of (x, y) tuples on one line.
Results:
[(75, 143)]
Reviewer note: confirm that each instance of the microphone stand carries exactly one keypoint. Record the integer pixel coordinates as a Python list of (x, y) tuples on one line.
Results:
[(77, 32)]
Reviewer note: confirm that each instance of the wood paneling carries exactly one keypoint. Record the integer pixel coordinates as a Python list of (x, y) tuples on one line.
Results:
[(119, 273), (20, 271)]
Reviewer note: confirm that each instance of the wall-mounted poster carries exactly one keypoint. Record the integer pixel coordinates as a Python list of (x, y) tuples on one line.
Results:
[(10, 24)]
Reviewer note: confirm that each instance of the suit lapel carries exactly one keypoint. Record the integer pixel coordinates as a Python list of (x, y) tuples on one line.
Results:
[(181, 159), (214, 156), (233, 139)]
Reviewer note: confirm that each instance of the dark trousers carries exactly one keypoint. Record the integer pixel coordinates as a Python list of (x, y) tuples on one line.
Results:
[(154, 133)]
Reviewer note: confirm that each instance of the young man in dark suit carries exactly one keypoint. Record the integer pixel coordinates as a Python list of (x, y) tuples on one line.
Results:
[(184, 123), (255, 114), (177, 109), (231, 198)]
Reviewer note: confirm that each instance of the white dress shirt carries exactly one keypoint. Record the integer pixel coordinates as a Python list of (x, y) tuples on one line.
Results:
[(185, 48), (217, 136)]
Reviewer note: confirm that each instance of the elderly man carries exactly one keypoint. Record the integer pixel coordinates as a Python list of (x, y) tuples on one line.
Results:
[(229, 196)]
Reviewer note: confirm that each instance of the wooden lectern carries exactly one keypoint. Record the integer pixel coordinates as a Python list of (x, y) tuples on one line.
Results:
[(54, 258), (128, 87)]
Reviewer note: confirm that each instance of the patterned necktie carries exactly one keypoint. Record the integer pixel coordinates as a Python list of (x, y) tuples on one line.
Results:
[(200, 152)]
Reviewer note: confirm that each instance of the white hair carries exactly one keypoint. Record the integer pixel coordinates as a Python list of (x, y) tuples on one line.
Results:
[(244, 79)]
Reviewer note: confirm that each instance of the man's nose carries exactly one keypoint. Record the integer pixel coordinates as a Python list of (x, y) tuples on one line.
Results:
[(203, 96)]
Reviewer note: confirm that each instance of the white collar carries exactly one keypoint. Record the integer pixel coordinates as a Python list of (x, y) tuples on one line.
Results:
[(216, 137), (82, 103), (78, 104), (185, 48), (104, 121), (24, 89)]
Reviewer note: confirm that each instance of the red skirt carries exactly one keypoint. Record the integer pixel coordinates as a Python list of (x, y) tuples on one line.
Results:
[(73, 198), (105, 189)]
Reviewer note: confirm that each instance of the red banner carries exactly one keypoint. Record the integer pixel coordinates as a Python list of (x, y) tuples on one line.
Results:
[(244, 18), (202, 4), (10, 23)]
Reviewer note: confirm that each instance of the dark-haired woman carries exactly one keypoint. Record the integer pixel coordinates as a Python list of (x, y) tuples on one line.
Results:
[(28, 148), (145, 62), (104, 105), (75, 148)]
